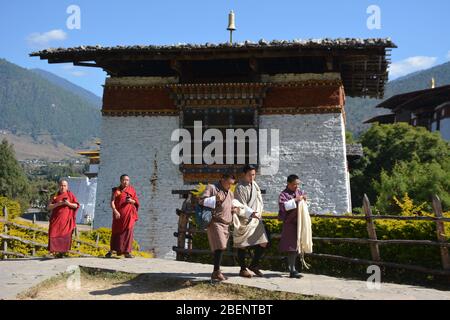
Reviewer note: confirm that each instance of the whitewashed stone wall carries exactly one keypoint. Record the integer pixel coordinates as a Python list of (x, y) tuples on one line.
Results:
[(313, 147), (141, 147)]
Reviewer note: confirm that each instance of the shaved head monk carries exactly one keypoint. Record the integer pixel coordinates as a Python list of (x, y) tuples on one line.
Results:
[(124, 205), (63, 207)]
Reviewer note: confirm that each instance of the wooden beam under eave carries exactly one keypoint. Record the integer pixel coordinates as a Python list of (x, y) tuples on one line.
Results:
[(176, 66), (329, 62), (253, 63), (349, 54), (85, 64)]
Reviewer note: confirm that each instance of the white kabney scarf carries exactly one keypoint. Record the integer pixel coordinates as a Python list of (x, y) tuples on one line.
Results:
[(242, 232), (304, 232)]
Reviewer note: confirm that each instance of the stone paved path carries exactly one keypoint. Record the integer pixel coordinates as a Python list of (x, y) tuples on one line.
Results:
[(19, 275)]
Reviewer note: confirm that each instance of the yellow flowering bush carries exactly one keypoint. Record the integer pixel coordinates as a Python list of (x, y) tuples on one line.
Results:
[(86, 236), (421, 255)]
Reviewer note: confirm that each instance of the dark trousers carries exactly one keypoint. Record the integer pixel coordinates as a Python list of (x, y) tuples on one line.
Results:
[(242, 253)]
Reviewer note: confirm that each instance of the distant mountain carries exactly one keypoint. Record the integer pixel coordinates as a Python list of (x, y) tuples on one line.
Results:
[(41, 104), (25, 147), (94, 99), (359, 110), (32, 105)]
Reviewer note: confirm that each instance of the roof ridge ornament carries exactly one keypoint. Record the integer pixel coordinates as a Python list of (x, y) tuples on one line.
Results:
[(231, 25)]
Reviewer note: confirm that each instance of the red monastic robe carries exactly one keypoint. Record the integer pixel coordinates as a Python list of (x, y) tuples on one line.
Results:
[(122, 228), (62, 223)]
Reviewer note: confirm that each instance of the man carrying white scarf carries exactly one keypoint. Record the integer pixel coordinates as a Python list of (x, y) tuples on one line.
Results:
[(296, 235), (249, 231), (304, 232)]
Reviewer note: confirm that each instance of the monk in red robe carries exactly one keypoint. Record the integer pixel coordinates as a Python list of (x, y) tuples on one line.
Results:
[(63, 206), (125, 205)]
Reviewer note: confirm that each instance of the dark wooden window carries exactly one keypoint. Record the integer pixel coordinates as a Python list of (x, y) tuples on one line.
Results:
[(221, 119)]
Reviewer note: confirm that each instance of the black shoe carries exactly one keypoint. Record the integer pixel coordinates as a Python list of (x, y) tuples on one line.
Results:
[(129, 256), (295, 275), (108, 255), (256, 271)]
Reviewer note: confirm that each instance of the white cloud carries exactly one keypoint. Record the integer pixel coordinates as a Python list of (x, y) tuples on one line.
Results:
[(410, 65), (71, 69), (43, 39), (448, 55), (78, 73)]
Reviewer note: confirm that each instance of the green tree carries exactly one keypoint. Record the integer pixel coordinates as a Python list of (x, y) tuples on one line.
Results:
[(41, 191), (13, 181), (54, 172), (349, 139), (419, 180), (385, 147)]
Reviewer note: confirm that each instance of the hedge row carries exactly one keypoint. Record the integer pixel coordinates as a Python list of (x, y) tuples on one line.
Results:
[(421, 255)]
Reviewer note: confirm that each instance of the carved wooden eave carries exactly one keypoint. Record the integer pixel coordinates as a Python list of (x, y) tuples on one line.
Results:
[(302, 110), (139, 113), (218, 95), (294, 97), (362, 63)]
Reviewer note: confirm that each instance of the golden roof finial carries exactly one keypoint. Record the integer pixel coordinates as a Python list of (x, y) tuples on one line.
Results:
[(433, 83)]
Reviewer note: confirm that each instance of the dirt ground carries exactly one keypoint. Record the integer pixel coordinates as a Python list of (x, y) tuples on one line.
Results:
[(122, 286)]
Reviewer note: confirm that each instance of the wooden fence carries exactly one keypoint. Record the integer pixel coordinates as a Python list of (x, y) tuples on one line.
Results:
[(33, 244), (186, 232)]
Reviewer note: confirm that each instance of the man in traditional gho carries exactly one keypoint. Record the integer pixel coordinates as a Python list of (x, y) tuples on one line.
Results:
[(125, 205), (219, 198), (288, 202), (63, 206), (249, 231)]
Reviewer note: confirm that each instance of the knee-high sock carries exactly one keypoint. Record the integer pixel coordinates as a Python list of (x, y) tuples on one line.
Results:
[(292, 257), (217, 259), (241, 254), (259, 251)]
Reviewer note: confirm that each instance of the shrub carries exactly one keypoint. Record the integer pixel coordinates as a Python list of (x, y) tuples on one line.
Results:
[(87, 236), (13, 207), (421, 255)]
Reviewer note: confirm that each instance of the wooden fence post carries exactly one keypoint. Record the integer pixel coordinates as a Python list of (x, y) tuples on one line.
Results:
[(182, 228), (77, 238), (191, 230), (97, 240), (33, 250), (5, 230), (374, 249), (440, 230)]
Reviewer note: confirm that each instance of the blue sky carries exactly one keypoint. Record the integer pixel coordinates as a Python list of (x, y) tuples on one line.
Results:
[(420, 28)]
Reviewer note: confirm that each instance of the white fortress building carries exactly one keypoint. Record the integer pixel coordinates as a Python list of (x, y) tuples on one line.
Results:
[(295, 87)]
